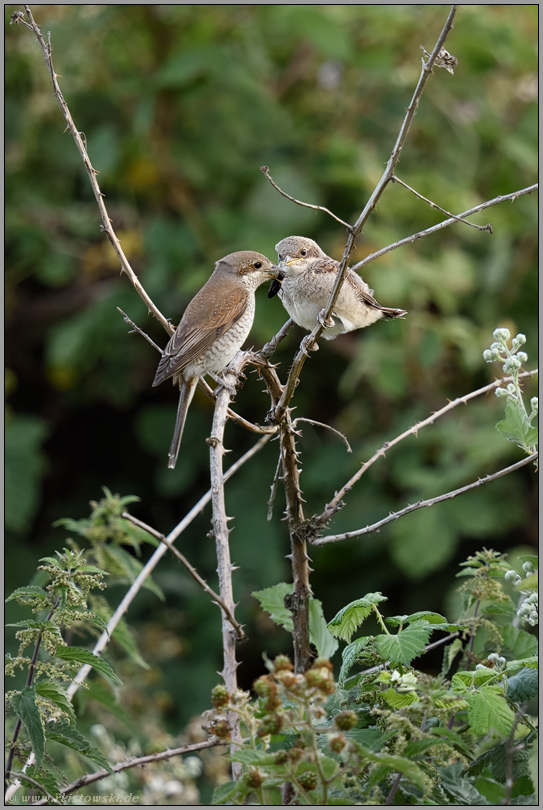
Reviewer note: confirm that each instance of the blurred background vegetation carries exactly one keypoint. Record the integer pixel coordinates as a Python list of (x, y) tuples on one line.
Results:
[(181, 105)]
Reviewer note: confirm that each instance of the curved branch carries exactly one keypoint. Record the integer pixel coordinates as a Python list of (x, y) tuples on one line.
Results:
[(80, 142), (334, 538), (336, 502), (265, 171)]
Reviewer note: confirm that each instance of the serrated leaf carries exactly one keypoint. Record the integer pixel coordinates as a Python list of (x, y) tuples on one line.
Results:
[(460, 788), (30, 591), (123, 635), (406, 645), (524, 686), (319, 633), (93, 569), (349, 618), (24, 704), (250, 757), (272, 600), (515, 666), (488, 711), (69, 736), (349, 655), (47, 779), (417, 747), (516, 425), (81, 656), (224, 792), (57, 695), (398, 700), (519, 643), (476, 677)]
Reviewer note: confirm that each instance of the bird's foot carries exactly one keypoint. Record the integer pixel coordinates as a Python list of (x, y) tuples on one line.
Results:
[(230, 387), (326, 323), (308, 346)]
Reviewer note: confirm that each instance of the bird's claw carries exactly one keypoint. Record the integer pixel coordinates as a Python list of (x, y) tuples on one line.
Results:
[(308, 346), (326, 323)]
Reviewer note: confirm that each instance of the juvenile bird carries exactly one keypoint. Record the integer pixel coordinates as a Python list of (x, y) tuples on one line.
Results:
[(308, 278), (213, 328)]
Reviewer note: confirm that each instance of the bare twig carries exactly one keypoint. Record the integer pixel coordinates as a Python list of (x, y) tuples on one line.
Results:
[(236, 418), (332, 507), (135, 762), (334, 538), (356, 229), (80, 142), (445, 224), (265, 170), (272, 344), (190, 568), (273, 488), (328, 427), (139, 331), (487, 227)]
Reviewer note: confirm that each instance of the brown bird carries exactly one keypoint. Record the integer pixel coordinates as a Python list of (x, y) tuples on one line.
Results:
[(213, 328), (308, 278)]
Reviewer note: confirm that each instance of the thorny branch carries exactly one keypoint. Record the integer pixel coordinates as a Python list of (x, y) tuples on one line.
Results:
[(355, 230), (192, 571), (336, 502), (333, 538), (487, 227), (80, 142), (266, 172), (446, 222), (97, 776)]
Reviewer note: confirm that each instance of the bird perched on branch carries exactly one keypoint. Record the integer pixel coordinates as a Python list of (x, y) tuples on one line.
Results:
[(213, 328), (304, 286)]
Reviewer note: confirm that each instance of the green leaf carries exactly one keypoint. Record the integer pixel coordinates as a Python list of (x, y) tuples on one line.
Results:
[(349, 618), (430, 617), (24, 703), (406, 645), (124, 636), (224, 792), (524, 686), (319, 633), (350, 654), (460, 788), (488, 711), (81, 656), (250, 757), (518, 643), (452, 737), (398, 700), (477, 677), (132, 568), (515, 666), (29, 591), (69, 736), (390, 763), (101, 694), (57, 695), (530, 583), (272, 600), (417, 747), (516, 425)]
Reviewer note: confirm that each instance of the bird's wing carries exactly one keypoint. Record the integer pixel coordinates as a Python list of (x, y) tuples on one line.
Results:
[(361, 289), (207, 317)]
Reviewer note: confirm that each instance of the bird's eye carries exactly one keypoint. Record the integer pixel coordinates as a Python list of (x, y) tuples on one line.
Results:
[(303, 252), (257, 265)]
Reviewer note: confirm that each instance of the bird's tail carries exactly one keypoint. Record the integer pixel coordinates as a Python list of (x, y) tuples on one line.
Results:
[(186, 392), (389, 312)]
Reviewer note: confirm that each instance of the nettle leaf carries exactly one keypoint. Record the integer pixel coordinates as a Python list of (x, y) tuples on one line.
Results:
[(24, 704), (453, 737), (272, 600), (516, 426), (68, 735), (28, 592), (124, 636), (81, 656), (319, 633), (349, 618), (57, 695), (406, 645), (488, 711), (350, 654), (47, 779), (477, 677)]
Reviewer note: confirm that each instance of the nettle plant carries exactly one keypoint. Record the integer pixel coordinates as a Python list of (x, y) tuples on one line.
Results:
[(390, 733)]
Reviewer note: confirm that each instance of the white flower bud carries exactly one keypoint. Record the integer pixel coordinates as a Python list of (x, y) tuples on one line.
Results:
[(522, 356), (502, 334), (520, 339), (527, 566), (488, 356), (511, 576), (500, 392), (534, 402)]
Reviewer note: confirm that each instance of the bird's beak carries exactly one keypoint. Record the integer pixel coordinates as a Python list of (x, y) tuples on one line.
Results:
[(290, 260), (276, 272)]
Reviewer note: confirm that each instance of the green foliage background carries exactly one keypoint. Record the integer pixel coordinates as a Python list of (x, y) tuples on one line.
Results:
[(180, 106)]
